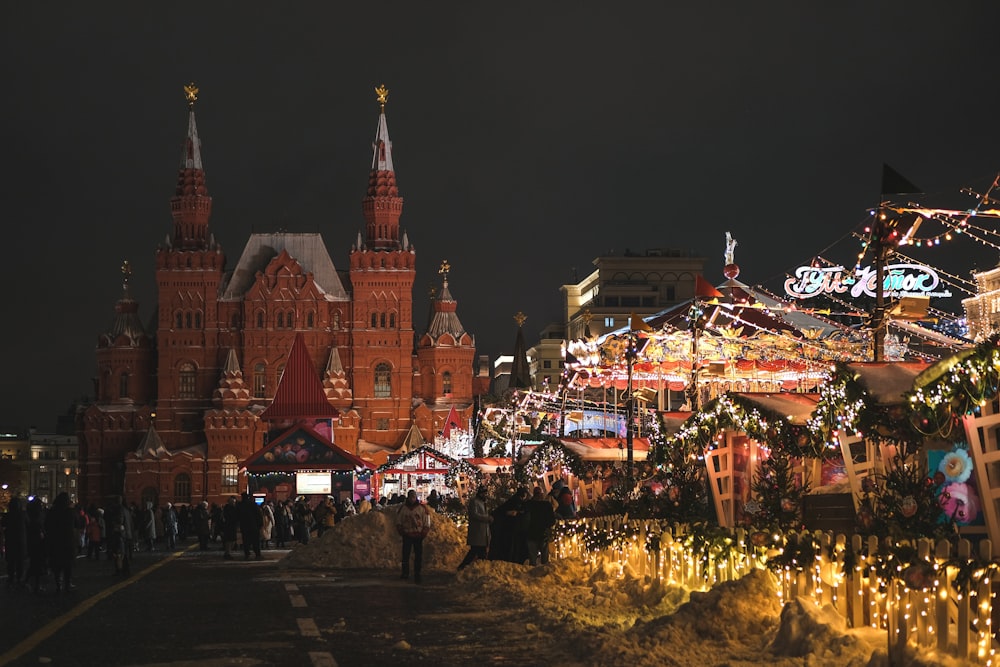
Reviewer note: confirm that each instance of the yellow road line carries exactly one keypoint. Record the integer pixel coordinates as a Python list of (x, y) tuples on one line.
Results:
[(53, 626)]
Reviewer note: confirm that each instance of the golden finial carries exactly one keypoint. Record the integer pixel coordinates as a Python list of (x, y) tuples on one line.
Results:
[(126, 270), (383, 94), (191, 93), (445, 268), (520, 318)]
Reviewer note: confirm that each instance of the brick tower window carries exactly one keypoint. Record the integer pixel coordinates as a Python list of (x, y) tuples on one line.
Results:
[(446, 383), (258, 380), (123, 386), (383, 381), (392, 320), (310, 322), (186, 381), (230, 474), (374, 320), (182, 488)]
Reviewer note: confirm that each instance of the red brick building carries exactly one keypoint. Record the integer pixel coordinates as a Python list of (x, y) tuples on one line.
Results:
[(177, 410)]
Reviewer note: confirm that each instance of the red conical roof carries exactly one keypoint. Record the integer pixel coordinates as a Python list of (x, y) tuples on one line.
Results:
[(300, 393)]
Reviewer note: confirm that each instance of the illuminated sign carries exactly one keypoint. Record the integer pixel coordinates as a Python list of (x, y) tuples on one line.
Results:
[(899, 280), (310, 483)]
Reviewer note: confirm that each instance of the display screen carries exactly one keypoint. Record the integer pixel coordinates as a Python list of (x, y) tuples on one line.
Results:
[(312, 483)]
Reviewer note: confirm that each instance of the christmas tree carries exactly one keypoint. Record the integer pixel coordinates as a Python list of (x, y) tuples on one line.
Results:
[(778, 495)]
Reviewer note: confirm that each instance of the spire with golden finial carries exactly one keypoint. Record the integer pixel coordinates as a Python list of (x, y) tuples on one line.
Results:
[(191, 94), (445, 268), (520, 318), (382, 93), (126, 273)]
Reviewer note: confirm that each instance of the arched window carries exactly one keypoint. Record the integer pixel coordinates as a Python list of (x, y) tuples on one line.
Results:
[(336, 320), (180, 321), (290, 319), (186, 382), (235, 324), (281, 321), (381, 321), (187, 320), (230, 474), (197, 320), (374, 320), (383, 381), (446, 382), (123, 385), (310, 321), (182, 488), (392, 320), (260, 320), (258, 380)]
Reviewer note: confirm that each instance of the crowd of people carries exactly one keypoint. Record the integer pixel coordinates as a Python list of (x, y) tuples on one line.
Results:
[(39, 541)]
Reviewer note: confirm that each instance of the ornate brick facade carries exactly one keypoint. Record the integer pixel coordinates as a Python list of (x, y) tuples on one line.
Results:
[(178, 414)]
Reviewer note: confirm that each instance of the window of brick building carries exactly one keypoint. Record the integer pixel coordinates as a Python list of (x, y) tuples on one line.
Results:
[(186, 381), (230, 474), (383, 381)]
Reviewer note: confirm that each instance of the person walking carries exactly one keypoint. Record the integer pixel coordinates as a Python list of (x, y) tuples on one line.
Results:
[(62, 541), (201, 522), (267, 529), (413, 522), (478, 537), (170, 525), (251, 521), (230, 526), (97, 532), (38, 565), (541, 518), (15, 540), (118, 519)]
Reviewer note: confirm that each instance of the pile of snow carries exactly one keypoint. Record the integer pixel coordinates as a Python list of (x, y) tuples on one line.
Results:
[(370, 540), (615, 617)]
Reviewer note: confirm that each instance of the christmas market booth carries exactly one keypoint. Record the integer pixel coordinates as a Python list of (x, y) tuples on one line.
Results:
[(427, 469), (303, 462)]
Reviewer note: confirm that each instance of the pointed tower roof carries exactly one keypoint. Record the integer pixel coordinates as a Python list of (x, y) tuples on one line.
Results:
[(151, 446), (520, 374), (335, 384), (191, 206), (126, 327), (232, 392), (445, 318), (382, 205), (300, 394)]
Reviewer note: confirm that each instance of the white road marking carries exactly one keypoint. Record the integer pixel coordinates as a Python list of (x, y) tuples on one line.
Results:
[(298, 600), (322, 659), (291, 587), (307, 627)]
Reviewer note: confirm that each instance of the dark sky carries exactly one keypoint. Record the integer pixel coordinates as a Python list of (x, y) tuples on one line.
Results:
[(528, 139)]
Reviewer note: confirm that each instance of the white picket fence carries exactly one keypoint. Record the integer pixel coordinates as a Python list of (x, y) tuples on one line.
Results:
[(920, 606)]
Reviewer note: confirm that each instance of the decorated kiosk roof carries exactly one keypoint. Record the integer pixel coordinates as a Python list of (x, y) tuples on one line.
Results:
[(301, 448)]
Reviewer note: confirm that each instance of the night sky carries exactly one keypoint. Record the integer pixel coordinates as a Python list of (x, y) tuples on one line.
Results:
[(527, 139)]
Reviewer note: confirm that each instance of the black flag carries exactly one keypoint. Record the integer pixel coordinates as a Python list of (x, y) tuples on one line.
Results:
[(894, 183)]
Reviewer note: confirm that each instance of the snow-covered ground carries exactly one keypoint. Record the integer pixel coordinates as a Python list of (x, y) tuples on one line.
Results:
[(627, 620)]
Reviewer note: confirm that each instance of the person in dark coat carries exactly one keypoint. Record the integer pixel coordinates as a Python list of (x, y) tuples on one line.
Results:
[(478, 537), (201, 522), (506, 524), (38, 565), (230, 526), (251, 520), (118, 522), (541, 518), (61, 541), (15, 540)]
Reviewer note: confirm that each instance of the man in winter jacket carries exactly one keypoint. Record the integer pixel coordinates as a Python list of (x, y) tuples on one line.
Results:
[(413, 522)]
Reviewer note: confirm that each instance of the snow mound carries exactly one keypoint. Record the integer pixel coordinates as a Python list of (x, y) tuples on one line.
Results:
[(370, 540)]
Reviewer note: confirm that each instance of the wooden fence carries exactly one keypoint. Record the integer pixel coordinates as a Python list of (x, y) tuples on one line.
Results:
[(918, 605)]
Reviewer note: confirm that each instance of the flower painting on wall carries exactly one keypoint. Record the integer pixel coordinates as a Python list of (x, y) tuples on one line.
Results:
[(951, 471)]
